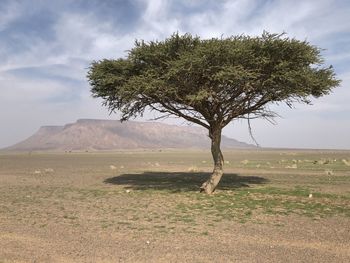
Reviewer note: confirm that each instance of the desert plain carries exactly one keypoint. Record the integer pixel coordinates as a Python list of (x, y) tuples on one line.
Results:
[(144, 206)]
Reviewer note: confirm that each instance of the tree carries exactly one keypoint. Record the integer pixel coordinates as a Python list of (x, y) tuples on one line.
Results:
[(211, 82)]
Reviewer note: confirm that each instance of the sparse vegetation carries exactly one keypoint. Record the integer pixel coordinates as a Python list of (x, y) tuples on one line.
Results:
[(346, 162), (85, 198)]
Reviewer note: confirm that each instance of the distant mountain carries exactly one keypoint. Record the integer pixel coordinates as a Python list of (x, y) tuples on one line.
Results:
[(93, 135)]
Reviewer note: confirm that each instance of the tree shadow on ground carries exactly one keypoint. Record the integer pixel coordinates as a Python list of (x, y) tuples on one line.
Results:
[(180, 181)]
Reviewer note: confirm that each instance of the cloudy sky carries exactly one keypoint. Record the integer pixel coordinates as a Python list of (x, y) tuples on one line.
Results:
[(46, 48)]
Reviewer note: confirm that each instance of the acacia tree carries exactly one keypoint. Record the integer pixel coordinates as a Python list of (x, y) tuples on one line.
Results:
[(211, 82)]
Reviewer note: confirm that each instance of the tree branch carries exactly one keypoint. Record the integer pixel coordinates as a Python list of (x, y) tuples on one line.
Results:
[(177, 112)]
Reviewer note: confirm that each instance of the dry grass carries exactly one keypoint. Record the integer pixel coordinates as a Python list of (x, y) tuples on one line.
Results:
[(147, 207)]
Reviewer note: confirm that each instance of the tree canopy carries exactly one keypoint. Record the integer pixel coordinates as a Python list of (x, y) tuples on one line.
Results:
[(214, 80), (211, 82)]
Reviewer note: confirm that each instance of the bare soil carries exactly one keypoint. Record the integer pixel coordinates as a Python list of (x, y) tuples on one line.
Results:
[(144, 206)]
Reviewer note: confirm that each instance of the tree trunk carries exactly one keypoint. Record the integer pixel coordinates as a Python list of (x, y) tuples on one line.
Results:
[(210, 185)]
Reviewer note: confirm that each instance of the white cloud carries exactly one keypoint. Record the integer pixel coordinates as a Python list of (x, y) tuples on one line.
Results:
[(24, 90), (9, 13), (80, 37), (157, 21)]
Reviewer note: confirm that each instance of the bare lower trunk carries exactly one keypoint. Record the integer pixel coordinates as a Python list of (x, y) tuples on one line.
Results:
[(210, 185)]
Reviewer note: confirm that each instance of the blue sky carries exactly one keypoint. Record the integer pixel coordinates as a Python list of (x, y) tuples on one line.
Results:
[(46, 48)]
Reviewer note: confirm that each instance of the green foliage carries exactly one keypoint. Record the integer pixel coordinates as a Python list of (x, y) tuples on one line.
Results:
[(212, 81)]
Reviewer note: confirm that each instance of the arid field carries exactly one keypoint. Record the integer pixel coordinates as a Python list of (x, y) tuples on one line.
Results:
[(144, 206)]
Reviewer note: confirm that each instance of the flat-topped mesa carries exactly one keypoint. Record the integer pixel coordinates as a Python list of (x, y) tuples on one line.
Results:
[(50, 128), (93, 121), (94, 134)]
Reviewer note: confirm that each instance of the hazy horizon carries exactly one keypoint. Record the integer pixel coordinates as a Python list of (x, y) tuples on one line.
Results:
[(46, 48), (174, 123)]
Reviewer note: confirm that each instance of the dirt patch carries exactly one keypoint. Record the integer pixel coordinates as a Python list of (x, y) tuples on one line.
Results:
[(84, 211)]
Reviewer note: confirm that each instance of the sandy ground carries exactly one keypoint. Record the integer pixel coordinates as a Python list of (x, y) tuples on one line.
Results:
[(70, 214), (315, 242), (324, 241)]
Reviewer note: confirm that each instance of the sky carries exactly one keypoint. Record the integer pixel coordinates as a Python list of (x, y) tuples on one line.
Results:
[(46, 48)]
